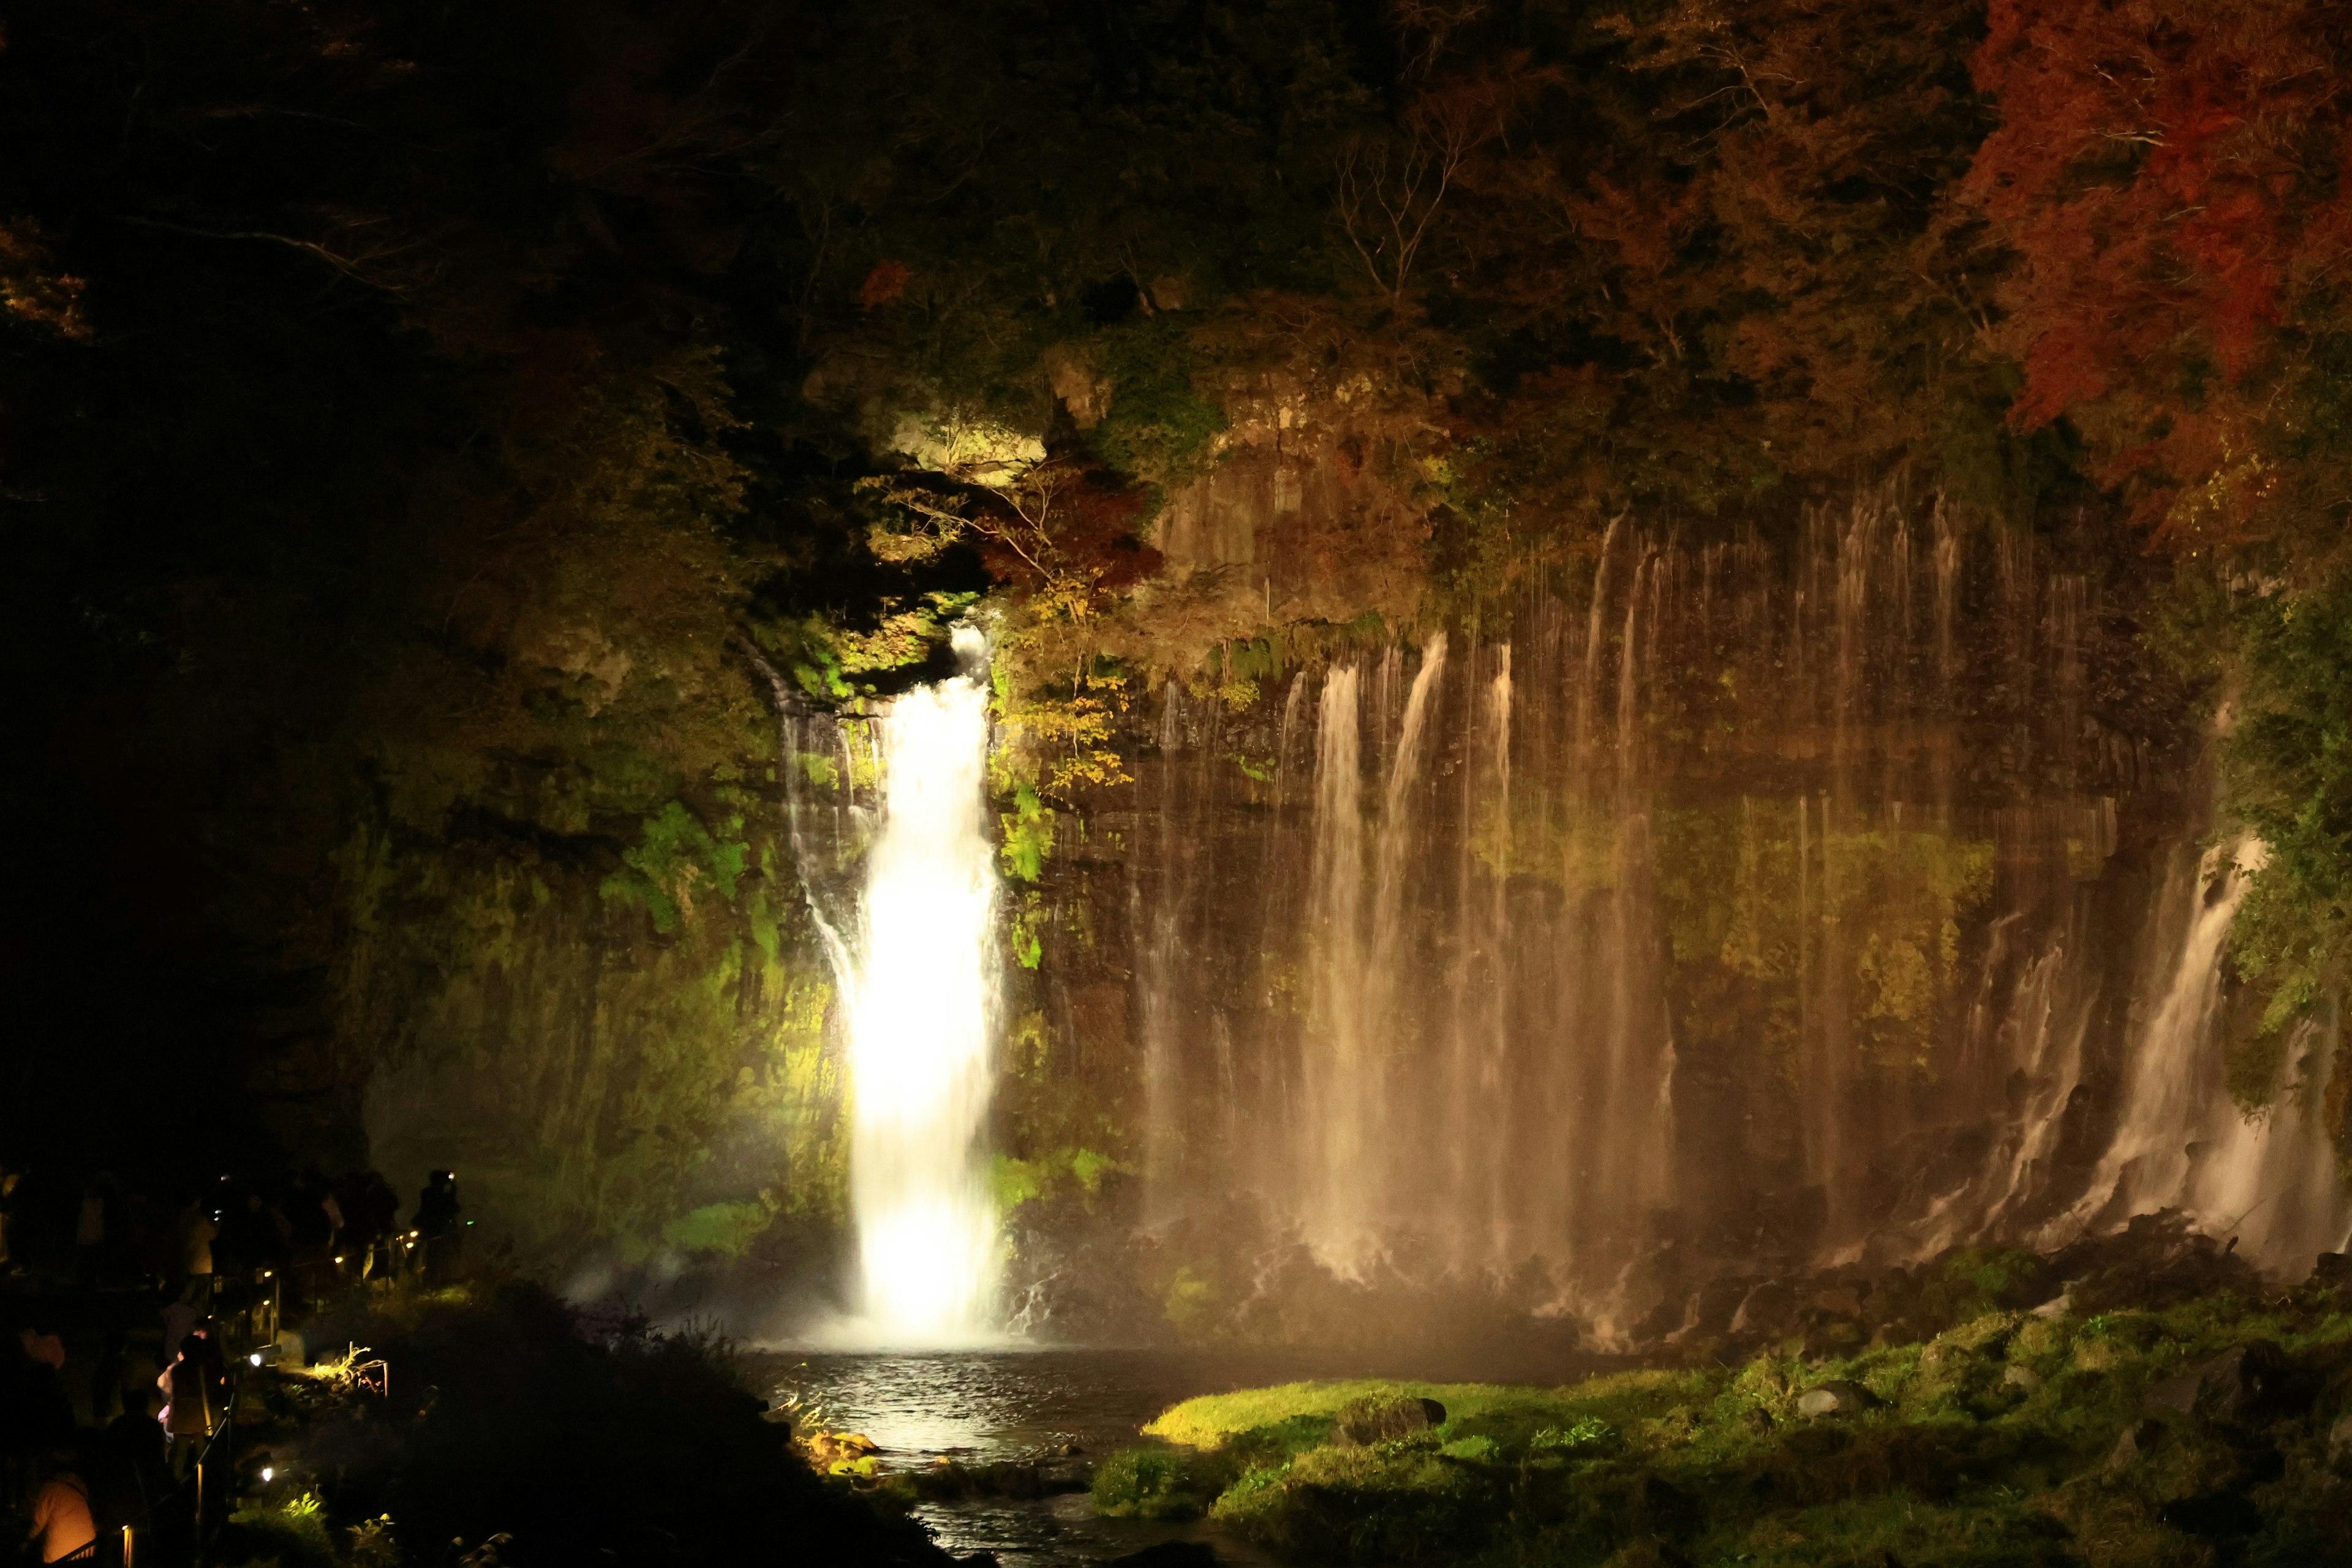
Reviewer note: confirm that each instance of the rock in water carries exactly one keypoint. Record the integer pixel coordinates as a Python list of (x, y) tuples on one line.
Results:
[(1363, 1421), (1839, 1396)]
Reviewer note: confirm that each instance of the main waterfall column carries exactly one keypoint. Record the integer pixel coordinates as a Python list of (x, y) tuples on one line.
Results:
[(922, 1017)]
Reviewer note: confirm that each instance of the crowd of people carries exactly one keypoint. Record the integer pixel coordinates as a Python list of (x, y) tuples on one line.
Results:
[(140, 1302)]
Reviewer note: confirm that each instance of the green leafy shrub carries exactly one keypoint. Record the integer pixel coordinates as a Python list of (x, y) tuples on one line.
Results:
[(1153, 1483)]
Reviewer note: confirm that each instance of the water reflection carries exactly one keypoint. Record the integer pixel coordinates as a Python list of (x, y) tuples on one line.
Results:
[(987, 1407)]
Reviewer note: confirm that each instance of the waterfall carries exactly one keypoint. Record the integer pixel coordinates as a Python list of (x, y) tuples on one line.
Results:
[(922, 1009), (1339, 1088), (2267, 1178), (1715, 903)]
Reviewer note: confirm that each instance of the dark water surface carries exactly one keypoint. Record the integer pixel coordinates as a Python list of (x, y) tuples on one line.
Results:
[(990, 1407)]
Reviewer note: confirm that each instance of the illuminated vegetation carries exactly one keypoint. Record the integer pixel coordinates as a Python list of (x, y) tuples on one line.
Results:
[(1994, 1442)]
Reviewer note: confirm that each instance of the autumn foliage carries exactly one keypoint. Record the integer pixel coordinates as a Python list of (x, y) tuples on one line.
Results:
[(2170, 176)]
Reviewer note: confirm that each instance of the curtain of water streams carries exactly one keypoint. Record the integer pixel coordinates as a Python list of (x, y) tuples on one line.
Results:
[(1730, 900)]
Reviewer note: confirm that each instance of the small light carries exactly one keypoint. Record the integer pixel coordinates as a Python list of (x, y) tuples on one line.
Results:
[(265, 1274), (267, 1471), (254, 1358), (339, 1260)]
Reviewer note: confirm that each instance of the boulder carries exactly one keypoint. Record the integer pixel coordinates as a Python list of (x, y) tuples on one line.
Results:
[(1376, 1419), (2332, 1272), (2021, 1377), (1839, 1396), (2339, 1439), (2241, 1384), (1838, 1301), (2058, 1305), (2138, 1440), (2157, 1260)]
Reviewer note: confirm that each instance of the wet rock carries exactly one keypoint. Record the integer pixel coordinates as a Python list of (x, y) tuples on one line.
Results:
[(1709, 1310), (2058, 1305), (1839, 1396), (1059, 1479), (2242, 1383), (2156, 1261), (2332, 1272), (1363, 1421), (2023, 1378), (2137, 1441), (1021, 1481), (1169, 1554), (1838, 1301), (1767, 1312), (943, 1480)]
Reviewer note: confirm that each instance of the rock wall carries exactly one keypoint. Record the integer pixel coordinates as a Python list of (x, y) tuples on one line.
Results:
[(1735, 898)]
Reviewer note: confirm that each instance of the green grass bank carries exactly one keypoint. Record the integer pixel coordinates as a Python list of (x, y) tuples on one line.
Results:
[(2217, 1432)]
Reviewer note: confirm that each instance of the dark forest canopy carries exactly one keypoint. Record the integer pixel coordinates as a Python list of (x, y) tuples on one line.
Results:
[(423, 424)]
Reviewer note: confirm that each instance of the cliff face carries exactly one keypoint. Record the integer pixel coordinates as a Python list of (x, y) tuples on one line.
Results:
[(1731, 898)]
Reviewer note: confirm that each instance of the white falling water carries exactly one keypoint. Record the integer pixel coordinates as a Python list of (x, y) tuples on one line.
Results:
[(922, 1013), (2267, 1180), (1338, 1076)]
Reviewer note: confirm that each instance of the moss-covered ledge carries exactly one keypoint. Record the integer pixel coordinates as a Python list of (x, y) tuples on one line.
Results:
[(2216, 1431)]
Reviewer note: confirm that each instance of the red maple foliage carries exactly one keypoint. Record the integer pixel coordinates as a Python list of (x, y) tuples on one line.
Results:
[(2170, 174)]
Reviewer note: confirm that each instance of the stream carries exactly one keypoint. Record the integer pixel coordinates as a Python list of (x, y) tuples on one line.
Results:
[(984, 1407)]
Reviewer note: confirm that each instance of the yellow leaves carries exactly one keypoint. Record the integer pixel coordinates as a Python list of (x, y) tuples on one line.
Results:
[(1061, 741)]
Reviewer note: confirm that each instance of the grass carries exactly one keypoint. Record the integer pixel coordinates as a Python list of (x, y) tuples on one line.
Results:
[(1964, 1464)]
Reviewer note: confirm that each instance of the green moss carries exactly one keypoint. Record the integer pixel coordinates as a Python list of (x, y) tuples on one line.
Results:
[(1159, 427), (1028, 835), (1019, 1181), (727, 1229), (1958, 1466), (675, 861), (1155, 1483)]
